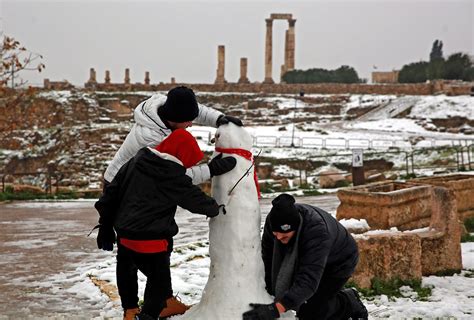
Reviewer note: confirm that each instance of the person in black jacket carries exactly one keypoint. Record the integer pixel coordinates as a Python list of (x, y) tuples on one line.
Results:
[(140, 204), (308, 257)]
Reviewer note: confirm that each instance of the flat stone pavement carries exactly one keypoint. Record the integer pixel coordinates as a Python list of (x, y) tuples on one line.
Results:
[(45, 254)]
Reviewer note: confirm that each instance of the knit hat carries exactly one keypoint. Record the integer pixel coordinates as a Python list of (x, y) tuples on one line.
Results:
[(180, 105), (182, 145), (284, 216)]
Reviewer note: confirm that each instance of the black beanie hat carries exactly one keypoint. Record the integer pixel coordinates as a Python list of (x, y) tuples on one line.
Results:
[(284, 216), (180, 105)]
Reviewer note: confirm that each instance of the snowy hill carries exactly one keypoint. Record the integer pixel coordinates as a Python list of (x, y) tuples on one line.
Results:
[(77, 132)]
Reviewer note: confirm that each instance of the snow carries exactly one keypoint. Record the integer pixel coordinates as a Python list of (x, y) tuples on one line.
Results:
[(443, 107), (355, 224), (390, 125)]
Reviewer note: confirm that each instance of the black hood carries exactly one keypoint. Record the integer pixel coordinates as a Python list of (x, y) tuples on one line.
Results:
[(150, 163)]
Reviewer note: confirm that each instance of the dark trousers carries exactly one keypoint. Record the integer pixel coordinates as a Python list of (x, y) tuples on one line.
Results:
[(329, 302), (156, 267)]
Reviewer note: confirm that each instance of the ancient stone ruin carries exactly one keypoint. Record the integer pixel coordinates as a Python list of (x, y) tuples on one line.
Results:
[(462, 186), (289, 63), (427, 239)]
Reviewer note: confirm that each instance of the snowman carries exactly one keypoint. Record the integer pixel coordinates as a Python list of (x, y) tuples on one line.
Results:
[(236, 275)]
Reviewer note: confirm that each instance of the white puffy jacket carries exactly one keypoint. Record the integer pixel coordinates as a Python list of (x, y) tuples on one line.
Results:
[(149, 130)]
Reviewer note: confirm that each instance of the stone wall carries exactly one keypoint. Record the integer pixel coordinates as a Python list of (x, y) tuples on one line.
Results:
[(414, 253), (387, 204), (463, 187), (385, 76), (387, 256), (321, 88)]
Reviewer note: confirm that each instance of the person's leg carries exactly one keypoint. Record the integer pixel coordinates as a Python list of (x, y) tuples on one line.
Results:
[(329, 302), (127, 278), (156, 267)]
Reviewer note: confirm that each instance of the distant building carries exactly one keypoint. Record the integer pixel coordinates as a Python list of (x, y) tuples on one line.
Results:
[(385, 76)]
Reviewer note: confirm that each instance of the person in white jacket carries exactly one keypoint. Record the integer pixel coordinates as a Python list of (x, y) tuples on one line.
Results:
[(156, 117)]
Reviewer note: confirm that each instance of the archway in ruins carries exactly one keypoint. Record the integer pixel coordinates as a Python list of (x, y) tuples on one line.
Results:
[(289, 60)]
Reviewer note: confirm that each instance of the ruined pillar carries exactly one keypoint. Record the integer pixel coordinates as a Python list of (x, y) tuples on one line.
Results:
[(107, 77), (284, 66), (268, 52), (220, 78), (290, 46), (92, 76), (173, 80), (127, 76), (147, 77), (243, 71)]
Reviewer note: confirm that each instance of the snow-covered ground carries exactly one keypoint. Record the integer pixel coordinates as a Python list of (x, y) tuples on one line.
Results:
[(72, 290)]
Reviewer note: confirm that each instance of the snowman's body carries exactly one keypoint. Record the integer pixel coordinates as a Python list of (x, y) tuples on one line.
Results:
[(236, 274)]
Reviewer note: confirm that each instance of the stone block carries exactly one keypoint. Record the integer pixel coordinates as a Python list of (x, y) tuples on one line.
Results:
[(461, 184), (387, 204), (331, 178), (441, 245), (264, 170), (386, 256)]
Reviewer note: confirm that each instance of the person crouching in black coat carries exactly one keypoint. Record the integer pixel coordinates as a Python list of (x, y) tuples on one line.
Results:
[(308, 257), (140, 204)]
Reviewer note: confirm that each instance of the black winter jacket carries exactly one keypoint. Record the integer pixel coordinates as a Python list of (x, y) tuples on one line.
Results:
[(324, 246), (142, 199)]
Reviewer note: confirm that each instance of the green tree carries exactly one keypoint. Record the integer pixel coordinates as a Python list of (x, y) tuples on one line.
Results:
[(343, 74), (414, 72), (436, 50), (458, 66)]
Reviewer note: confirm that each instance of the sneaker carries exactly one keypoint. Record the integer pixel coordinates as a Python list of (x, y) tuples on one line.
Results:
[(174, 306), (359, 311), (129, 314)]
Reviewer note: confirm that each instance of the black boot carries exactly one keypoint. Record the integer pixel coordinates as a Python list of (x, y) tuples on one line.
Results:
[(144, 316), (359, 311)]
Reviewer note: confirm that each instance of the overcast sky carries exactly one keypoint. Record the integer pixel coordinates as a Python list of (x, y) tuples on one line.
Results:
[(180, 38)]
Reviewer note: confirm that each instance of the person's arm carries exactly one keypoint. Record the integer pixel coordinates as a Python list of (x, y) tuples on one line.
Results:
[(267, 255), (312, 257), (193, 199), (199, 173), (215, 167), (207, 116), (109, 201)]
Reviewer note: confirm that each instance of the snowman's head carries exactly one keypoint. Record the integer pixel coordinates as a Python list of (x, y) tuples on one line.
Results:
[(232, 136)]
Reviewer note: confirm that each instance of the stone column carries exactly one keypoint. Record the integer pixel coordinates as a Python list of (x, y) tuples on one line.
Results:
[(243, 71), (107, 76), (220, 78), (284, 66), (147, 77), (127, 76), (268, 52), (290, 46), (173, 80), (92, 76)]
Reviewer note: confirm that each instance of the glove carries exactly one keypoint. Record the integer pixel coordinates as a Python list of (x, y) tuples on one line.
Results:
[(106, 238), (216, 212), (262, 312), (226, 119), (220, 165)]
